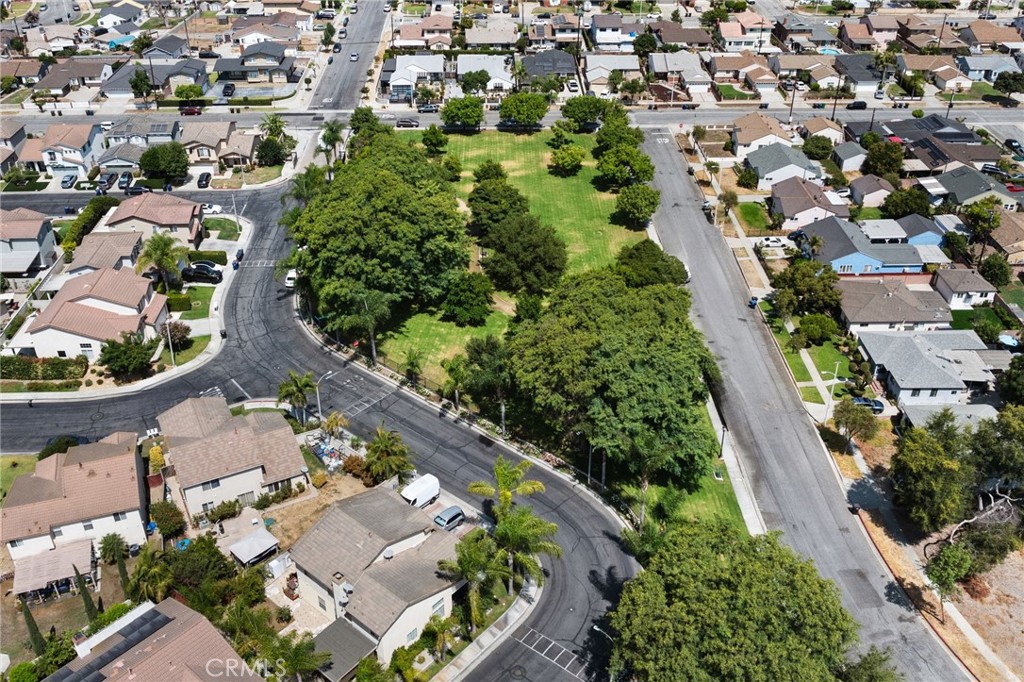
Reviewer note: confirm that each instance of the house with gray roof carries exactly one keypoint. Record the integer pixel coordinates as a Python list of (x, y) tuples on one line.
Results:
[(889, 305), (168, 47), (850, 252), (778, 162), (557, 63), (849, 156), (164, 77), (964, 288), (964, 186), (964, 415), (264, 62), (801, 202), (986, 66), (928, 367), (143, 131), (122, 157), (869, 190), (496, 66), (371, 561), (111, 17), (680, 68)]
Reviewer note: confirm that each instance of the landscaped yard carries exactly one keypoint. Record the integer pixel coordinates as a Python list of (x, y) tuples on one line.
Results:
[(1013, 293), (11, 467), (714, 499), (200, 296), (226, 228), (436, 339), (60, 227), (870, 213), (810, 394), (964, 319), (730, 92), (795, 362), (199, 344), (979, 90), (752, 216), (259, 175), (18, 96), (579, 213)]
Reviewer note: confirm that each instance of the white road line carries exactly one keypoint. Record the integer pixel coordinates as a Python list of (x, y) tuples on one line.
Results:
[(244, 392)]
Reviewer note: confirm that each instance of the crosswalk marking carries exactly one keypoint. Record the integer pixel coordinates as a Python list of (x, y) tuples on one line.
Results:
[(257, 264), (212, 392), (553, 651)]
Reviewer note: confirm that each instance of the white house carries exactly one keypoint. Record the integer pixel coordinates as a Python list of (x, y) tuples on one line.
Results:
[(964, 289), (610, 34), (27, 241), (927, 367), (824, 127), (869, 190), (90, 310), (83, 494), (371, 560), (849, 156), (756, 131), (71, 149), (219, 458), (747, 31), (889, 305), (494, 65), (599, 68), (778, 162), (111, 17)]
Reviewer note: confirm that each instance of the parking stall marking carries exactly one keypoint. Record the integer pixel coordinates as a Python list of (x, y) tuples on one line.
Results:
[(553, 651)]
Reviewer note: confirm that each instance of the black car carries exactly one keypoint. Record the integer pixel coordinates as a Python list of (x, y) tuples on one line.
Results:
[(1015, 146), (229, 89), (857, 105), (195, 273), (407, 123), (988, 16), (208, 54), (428, 108), (239, 255), (204, 181), (337, 48), (876, 406), (125, 181), (136, 190), (108, 181)]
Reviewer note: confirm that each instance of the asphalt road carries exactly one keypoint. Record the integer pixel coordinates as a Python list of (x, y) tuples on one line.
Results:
[(342, 81), (793, 481), (264, 342)]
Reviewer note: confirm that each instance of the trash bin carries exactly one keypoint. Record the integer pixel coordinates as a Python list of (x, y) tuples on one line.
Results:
[(234, 265), (133, 550), (223, 333)]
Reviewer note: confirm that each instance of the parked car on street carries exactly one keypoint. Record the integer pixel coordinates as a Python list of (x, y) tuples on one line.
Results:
[(1015, 146), (428, 108), (204, 180), (212, 209), (191, 111), (136, 190), (68, 181), (192, 273), (857, 105), (289, 279)]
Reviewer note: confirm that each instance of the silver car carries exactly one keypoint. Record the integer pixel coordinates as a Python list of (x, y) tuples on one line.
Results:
[(451, 518)]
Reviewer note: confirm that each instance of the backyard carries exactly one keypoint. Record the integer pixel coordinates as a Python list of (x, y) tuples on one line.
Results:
[(1013, 293), (966, 319)]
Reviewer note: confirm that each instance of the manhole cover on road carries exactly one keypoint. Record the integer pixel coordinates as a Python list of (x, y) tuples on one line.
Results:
[(96, 416)]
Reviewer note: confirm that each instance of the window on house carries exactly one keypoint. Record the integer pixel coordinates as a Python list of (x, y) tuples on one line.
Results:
[(211, 485), (934, 392), (204, 153), (58, 532), (87, 346), (322, 603), (247, 499), (846, 268), (51, 156), (439, 608), (413, 635), (208, 506), (61, 354), (915, 393), (87, 525), (120, 516)]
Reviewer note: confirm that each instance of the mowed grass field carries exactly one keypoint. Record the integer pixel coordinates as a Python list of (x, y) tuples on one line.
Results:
[(573, 206)]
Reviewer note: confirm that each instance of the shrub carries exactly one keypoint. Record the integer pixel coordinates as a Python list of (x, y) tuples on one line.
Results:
[(108, 617), (283, 614), (179, 303), (990, 544), (168, 518), (93, 172), (86, 220), (22, 368), (23, 672), (178, 332), (262, 502), (318, 479), (818, 328), (917, 113), (228, 509), (156, 458), (218, 257), (354, 465), (300, 488)]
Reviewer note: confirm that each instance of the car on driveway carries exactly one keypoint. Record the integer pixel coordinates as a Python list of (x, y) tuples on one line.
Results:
[(451, 518), (125, 181), (1014, 188), (229, 89), (108, 180), (212, 209), (204, 180), (773, 242), (194, 273), (68, 181), (1015, 146), (205, 265), (876, 406)]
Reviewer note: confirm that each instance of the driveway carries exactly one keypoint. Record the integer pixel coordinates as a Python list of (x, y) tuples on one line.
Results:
[(794, 483)]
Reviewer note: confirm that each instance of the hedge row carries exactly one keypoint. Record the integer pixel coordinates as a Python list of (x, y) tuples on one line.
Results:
[(178, 303), (218, 257), (23, 368), (44, 386), (172, 103), (250, 101), (86, 220)]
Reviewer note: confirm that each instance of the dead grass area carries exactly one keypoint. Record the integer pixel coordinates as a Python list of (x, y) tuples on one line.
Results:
[(294, 520), (727, 180), (66, 613), (998, 616), (776, 265), (837, 446), (925, 600), (879, 450), (729, 230), (750, 273)]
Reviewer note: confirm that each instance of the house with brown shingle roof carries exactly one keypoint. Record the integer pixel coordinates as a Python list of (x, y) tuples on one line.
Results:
[(168, 642), (100, 250), (24, 71), (27, 241), (1009, 237), (90, 310), (211, 142), (733, 67), (218, 457), (74, 73), (82, 494), (71, 149), (989, 36), (371, 563), (801, 202), (823, 127), (856, 37), (155, 212), (673, 34), (887, 305), (754, 131)]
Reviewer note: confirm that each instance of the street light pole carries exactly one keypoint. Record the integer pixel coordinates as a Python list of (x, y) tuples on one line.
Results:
[(167, 326), (319, 411), (832, 393), (597, 628)]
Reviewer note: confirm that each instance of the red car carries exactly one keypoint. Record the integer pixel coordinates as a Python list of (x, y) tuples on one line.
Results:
[(1015, 188), (191, 111)]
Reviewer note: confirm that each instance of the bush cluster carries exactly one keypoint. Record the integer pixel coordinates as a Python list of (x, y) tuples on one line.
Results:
[(23, 368), (267, 499), (228, 509), (178, 303), (37, 386), (318, 479), (218, 257), (86, 220)]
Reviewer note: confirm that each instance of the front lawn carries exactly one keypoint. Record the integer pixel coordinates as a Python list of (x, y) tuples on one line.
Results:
[(965, 319), (782, 336), (17, 97), (825, 358), (225, 228), (1013, 293), (752, 216), (199, 344), (730, 92), (26, 185), (979, 90), (258, 176), (200, 296), (60, 227), (12, 466), (810, 394)]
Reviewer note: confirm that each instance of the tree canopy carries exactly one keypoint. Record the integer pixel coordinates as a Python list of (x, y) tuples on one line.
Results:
[(493, 201), (527, 255), (904, 202), (524, 109), (932, 481), (168, 160), (583, 109), (717, 604), (644, 264), (636, 204), (463, 112), (812, 285), (1011, 383), (884, 158)]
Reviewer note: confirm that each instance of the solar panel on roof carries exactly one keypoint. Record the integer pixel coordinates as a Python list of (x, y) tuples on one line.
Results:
[(133, 634)]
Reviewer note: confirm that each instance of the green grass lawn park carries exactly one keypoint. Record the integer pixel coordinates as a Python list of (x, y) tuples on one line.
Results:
[(729, 92), (226, 228), (964, 319), (870, 213), (200, 296), (714, 499), (809, 394), (1013, 293), (12, 466), (199, 344), (753, 216)]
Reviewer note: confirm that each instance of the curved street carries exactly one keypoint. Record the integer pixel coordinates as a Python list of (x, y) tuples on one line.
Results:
[(264, 341)]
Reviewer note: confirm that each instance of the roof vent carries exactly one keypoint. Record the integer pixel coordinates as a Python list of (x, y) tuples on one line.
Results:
[(347, 588), (389, 553), (337, 576), (342, 599)]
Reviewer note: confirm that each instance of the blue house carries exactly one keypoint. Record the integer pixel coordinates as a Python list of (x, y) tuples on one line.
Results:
[(851, 252)]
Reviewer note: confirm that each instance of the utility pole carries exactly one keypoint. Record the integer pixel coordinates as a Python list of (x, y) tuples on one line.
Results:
[(170, 344), (835, 100), (792, 101)]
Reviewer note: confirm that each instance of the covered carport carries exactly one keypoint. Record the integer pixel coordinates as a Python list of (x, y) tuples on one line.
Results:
[(254, 547)]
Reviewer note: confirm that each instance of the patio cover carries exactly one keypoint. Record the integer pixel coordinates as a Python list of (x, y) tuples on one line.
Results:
[(254, 546), (930, 253), (39, 570)]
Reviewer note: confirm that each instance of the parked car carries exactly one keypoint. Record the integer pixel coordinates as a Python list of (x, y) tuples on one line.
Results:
[(879, 94), (428, 108), (831, 23), (773, 242), (191, 111), (68, 181), (136, 190), (330, 60), (450, 519), (239, 255), (337, 48), (108, 180), (76, 7), (574, 86), (1015, 146), (289, 279), (192, 273), (1014, 188), (407, 123), (343, 33), (213, 209), (354, 57), (204, 180), (857, 105), (993, 169), (987, 16), (876, 406), (208, 54), (353, 9), (125, 181), (423, 491), (842, 191), (229, 89)]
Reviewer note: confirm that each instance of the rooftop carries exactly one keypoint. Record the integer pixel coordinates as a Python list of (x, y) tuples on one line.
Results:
[(962, 280), (793, 196), (776, 156), (756, 126), (885, 300), (928, 359), (158, 208), (20, 223)]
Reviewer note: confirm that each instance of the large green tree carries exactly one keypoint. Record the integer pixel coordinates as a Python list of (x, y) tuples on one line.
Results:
[(1011, 383), (624, 165), (480, 563), (932, 483), (626, 366), (466, 112), (169, 160), (617, 132), (855, 420), (295, 391), (644, 264), (492, 202), (998, 444), (163, 253), (904, 202), (523, 535), (884, 158), (128, 357), (490, 373), (475, 81), (583, 109), (812, 285), (509, 481), (636, 204), (469, 299), (524, 109), (527, 255), (717, 604)]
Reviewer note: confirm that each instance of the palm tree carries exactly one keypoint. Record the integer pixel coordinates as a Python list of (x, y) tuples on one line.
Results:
[(479, 562), (442, 633), (490, 375), (335, 423), (249, 629), (816, 243), (151, 580), (294, 391), (457, 369), (163, 253), (331, 135), (712, 168), (112, 546), (273, 126), (519, 74), (508, 481), (413, 364), (370, 309), (524, 535), (304, 186), (387, 456), (297, 656)]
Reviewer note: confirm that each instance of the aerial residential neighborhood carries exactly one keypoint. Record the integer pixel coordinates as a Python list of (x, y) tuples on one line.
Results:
[(387, 339)]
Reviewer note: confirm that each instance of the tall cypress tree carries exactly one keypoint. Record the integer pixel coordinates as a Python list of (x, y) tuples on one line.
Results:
[(90, 608), (122, 572), (34, 636)]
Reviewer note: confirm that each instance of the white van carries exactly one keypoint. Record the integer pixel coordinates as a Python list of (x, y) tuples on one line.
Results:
[(423, 491)]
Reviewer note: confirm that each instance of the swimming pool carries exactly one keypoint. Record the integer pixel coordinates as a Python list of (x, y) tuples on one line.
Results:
[(829, 50)]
